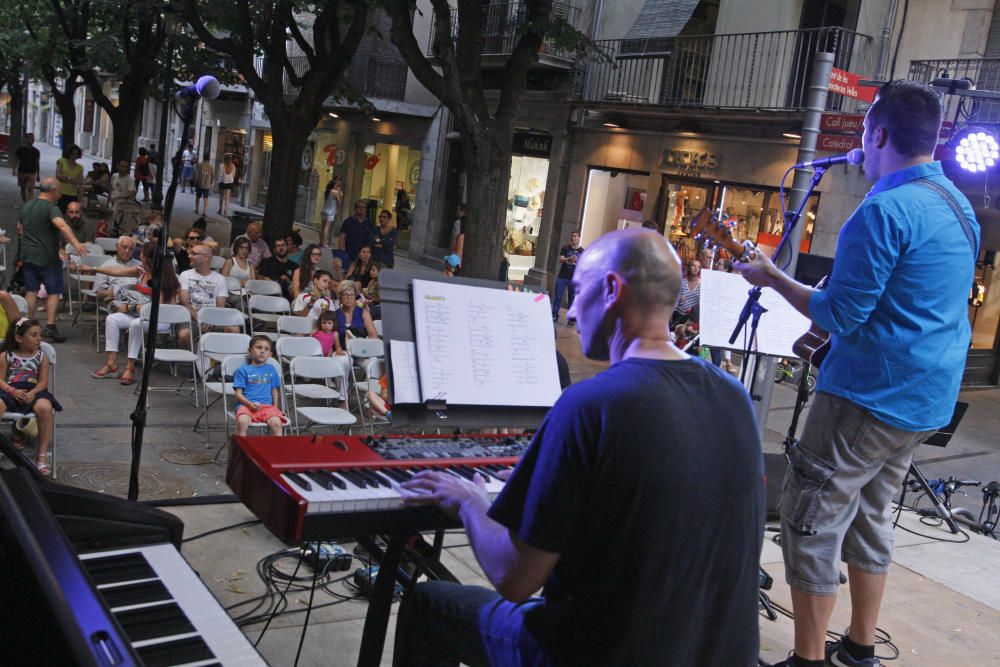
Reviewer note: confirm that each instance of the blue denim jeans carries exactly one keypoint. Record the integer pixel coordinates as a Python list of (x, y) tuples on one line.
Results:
[(442, 623), (562, 285)]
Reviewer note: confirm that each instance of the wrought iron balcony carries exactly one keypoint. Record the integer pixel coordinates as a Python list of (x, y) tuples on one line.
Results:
[(759, 71), (984, 74), (371, 75), (501, 24)]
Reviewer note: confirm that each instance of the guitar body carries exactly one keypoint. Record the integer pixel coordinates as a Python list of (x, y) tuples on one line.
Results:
[(813, 345)]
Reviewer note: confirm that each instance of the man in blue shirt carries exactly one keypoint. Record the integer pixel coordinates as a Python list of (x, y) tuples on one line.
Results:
[(896, 310), (568, 256), (356, 231)]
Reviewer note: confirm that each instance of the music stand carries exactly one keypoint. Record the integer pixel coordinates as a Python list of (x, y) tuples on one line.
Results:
[(938, 439)]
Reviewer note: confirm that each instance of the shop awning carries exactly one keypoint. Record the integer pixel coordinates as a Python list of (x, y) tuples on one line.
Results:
[(657, 22)]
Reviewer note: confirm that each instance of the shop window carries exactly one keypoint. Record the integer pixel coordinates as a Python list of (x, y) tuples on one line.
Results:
[(525, 203), (984, 302), (614, 200), (389, 181)]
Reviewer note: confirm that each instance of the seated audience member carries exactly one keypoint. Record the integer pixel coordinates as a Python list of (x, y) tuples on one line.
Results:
[(107, 286), (182, 248), (317, 299), (685, 519), (238, 266), (200, 287), (303, 276), (373, 297), (352, 318), (122, 184), (360, 269), (257, 386), (98, 179), (279, 268), (294, 243), (135, 291), (258, 246)]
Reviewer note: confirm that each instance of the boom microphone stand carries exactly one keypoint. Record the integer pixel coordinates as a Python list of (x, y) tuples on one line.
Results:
[(207, 86)]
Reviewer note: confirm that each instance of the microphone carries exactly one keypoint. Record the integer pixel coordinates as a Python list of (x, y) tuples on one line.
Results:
[(206, 86), (853, 156)]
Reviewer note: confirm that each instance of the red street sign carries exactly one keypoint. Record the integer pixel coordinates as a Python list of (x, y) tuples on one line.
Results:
[(838, 143), (841, 122), (845, 83)]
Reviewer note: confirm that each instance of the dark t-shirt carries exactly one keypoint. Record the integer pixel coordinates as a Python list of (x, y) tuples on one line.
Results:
[(358, 233), (27, 159), (384, 247), (274, 269), (40, 245), (566, 269), (648, 480)]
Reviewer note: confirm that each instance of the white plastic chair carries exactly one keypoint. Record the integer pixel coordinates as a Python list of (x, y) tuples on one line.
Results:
[(217, 262), (174, 316), (229, 367), (317, 368), (85, 287), (215, 347), (263, 287), (362, 351), (50, 353), (266, 309), (295, 325), (221, 317), (378, 327), (22, 303), (108, 244)]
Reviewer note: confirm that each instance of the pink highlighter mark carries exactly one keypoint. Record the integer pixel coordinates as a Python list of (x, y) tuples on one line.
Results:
[(539, 298)]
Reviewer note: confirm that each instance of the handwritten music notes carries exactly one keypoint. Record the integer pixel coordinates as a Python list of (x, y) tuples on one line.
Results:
[(484, 346), (722, 298)]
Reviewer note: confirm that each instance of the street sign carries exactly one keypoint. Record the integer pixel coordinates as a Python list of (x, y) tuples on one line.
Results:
[(846, 83), (841, 122), (838, 143)]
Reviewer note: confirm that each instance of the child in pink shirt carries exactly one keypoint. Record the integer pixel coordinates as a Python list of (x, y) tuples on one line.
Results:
[(326, 331)]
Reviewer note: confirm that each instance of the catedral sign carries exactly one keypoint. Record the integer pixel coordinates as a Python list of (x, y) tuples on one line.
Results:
[(689, 163)]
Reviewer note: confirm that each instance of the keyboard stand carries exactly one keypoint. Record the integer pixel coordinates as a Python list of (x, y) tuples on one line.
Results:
[(380, 604)]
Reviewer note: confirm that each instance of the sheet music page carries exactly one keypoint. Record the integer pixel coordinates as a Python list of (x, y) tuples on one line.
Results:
[(484, 346), (405, 381), (722, 298)]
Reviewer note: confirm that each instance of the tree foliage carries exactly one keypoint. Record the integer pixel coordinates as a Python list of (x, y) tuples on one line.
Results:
[(293, 55)]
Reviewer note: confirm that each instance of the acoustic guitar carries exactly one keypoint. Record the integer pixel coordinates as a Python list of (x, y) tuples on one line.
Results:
[(813, 345), (707, 229)]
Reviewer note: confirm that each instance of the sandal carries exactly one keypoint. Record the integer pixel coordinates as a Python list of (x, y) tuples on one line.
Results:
[(126, 378), (105, 371), (42, 463)]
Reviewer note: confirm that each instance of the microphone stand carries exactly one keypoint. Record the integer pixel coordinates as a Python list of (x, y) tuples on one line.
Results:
[(752, 310), (139, 415)]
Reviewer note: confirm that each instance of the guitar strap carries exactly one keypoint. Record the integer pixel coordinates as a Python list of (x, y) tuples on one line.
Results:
[(955, 208)]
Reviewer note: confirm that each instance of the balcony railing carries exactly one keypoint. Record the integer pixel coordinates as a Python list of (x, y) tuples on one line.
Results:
[(501, 23), (767, 70), (984, 74), (371, 75)]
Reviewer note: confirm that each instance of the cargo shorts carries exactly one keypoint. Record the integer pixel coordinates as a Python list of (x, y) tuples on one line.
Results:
[(837, 493)]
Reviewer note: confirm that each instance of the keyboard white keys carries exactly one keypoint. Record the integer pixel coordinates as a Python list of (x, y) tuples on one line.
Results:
[(185, 590), (359, 493)]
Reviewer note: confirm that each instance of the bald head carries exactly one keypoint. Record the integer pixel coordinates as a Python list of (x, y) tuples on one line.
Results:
[(648, 264), (49, 188)]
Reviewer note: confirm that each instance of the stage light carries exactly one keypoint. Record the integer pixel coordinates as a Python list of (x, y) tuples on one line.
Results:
[(975, 150)]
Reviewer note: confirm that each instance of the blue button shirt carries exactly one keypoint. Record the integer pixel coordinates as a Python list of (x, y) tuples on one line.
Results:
[(896, 302)]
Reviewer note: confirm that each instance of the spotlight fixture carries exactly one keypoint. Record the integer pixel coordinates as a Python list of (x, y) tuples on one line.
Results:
[(976, 150)]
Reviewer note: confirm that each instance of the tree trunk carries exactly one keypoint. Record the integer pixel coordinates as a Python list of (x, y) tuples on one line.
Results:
[(290, 135), (67, 110), (487, 166), (125, 120), (16, 91)]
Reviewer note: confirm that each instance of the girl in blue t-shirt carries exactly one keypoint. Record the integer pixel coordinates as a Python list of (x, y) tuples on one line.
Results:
[(257, 386)]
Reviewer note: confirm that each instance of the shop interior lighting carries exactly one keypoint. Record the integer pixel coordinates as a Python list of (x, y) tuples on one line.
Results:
[(375, 119), (976, 150), (611, 124), (333, 115), (791, 135)]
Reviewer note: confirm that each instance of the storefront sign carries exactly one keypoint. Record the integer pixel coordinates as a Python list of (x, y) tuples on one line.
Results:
[(846, 83), (841, 122), (533, 145), (333, 156), (689, 163), (838, 143)]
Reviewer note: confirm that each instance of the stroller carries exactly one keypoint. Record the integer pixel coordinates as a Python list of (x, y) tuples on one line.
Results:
[(127, 216)]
